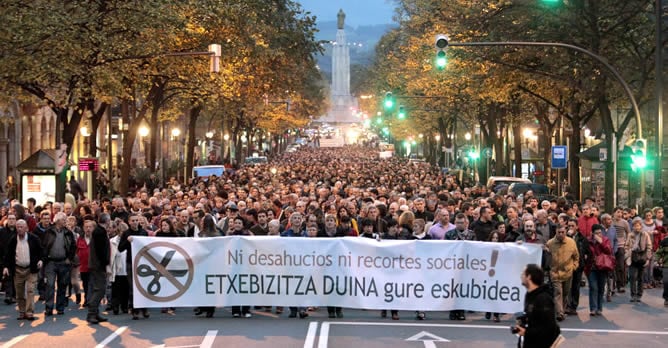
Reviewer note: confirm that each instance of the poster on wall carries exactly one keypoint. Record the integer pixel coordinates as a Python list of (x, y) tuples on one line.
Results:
[(40, 187)]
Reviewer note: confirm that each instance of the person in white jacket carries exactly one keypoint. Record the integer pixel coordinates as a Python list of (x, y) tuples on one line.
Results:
[(120, 288)]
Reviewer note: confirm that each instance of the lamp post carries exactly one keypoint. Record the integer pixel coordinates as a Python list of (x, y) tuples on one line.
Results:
[(209, 147), (439, 149), (85, 132), (143, 133), (176, 133)]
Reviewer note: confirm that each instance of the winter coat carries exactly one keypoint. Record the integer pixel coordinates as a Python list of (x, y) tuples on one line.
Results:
[(565, 258)]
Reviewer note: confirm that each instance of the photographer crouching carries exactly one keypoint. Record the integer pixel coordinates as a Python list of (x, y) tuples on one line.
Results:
[(538, 327)]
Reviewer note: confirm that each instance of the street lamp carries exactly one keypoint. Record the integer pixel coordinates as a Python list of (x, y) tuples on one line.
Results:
[(176, 132), (467, 136), (143, 133)]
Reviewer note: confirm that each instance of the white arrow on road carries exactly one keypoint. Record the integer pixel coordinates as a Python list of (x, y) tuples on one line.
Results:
[(429, 341)]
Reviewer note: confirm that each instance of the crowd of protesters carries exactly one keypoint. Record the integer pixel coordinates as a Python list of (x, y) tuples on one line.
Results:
[(56, 247)]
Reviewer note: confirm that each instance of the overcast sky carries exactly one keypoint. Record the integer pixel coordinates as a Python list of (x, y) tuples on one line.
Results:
[(358, 12)]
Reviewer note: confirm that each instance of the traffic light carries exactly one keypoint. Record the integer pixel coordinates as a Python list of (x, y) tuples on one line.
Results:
[(639, 155), (379, 120), (389, 101), (441, 45), (473, 154), (402, 112)]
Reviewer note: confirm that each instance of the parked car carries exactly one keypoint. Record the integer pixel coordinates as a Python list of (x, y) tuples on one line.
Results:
[(497, 183), (256, 160), (540, 191)]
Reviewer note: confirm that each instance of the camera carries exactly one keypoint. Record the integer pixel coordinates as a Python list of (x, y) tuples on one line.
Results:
[(521, 321)]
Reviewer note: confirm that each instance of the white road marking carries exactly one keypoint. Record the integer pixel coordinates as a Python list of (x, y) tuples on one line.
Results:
[(111, 337), (206, 343), (429, 341), (14, 341), (324, 335), (310, 334), (324, 329), (209, 338)]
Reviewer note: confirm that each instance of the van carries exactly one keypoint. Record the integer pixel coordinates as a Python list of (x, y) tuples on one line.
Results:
[(496, 183), (207, 171)]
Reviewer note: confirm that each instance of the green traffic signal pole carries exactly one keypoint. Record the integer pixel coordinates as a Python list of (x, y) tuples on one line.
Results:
[(600, 59), (610, 68)]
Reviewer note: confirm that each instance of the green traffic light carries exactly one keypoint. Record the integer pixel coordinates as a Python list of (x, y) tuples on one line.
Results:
[(389, 101), (473, 155), (402, 113), (639, 161), (441, 60), (379, 120)]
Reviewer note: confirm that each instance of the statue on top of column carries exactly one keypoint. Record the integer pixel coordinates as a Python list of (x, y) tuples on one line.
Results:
[(340, 17)]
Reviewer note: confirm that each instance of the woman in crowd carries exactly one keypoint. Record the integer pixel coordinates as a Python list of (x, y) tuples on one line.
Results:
[(596, 271), (83, 242), (495, 237), (75, 276), (638, 250), (406, 220), (343, 211), (208, 230), (648, 226), (167, 230), (120, 288)]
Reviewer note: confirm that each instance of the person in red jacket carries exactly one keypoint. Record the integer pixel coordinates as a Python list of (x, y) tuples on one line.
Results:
[(599, 244), (586, 221), (83, 251)]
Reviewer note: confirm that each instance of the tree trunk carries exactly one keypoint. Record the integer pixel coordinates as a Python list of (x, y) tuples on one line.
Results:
[(193, 115), (573, 159), (517, 148)]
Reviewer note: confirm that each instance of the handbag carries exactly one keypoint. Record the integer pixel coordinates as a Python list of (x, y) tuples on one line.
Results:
[(638, 258), (604, 262)]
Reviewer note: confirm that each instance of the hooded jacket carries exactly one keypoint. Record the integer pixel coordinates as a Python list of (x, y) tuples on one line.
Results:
[(542, 328)]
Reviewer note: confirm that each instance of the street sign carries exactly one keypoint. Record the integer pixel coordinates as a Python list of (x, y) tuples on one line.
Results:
[(487, 152), (559, 157), (89, 164), (602, 154)]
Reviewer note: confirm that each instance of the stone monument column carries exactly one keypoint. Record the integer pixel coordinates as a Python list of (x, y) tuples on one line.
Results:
[(340, 64)]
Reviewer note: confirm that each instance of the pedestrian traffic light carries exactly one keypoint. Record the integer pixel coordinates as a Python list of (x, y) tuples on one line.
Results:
[(441, 45), (389, 101), (639, 155), (402, 112)]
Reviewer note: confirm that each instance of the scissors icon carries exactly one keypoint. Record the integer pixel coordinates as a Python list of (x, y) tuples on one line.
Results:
[(147, 271)]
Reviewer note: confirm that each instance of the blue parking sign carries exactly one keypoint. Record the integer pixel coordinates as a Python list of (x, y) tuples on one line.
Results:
[(559, 157)]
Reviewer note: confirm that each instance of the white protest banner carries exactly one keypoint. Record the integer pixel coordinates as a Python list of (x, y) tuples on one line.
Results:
[(348, 272)]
